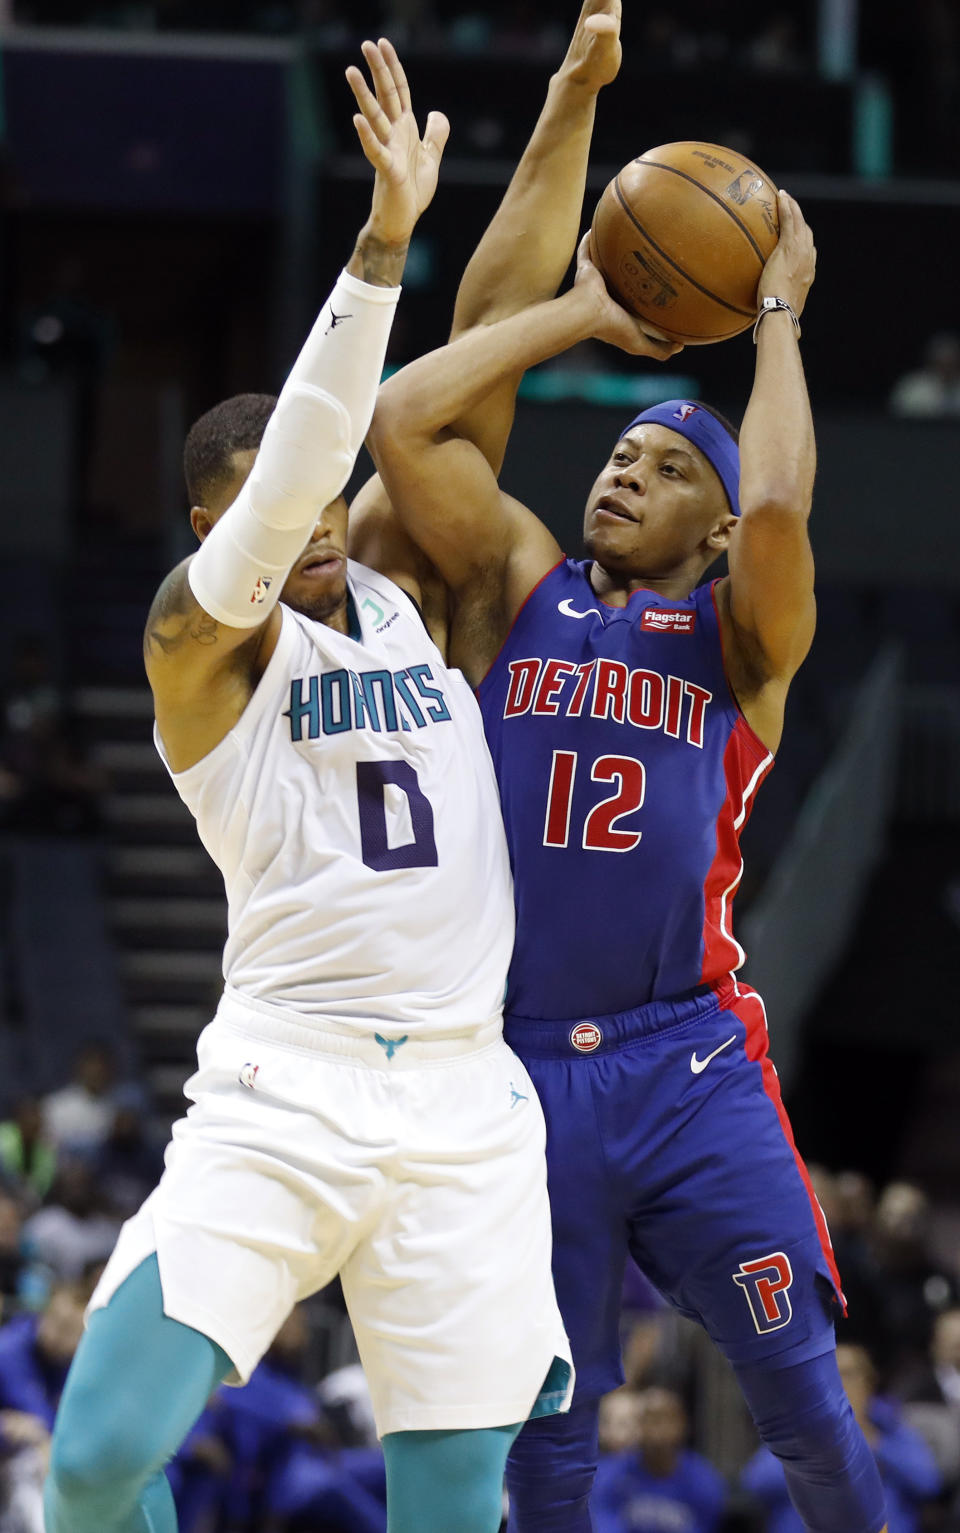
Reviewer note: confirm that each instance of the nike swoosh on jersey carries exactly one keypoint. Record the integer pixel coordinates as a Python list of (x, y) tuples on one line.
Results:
[(568, 611), (697, 1065)]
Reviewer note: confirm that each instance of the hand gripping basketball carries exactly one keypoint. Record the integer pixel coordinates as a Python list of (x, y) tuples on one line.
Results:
[(790, 270), (612, 323)]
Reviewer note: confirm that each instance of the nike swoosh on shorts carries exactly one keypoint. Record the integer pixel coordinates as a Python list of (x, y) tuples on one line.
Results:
[(697, 1065)]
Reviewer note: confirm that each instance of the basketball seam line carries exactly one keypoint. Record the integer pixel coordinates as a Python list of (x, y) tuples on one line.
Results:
[(718, 200), (734, 309)]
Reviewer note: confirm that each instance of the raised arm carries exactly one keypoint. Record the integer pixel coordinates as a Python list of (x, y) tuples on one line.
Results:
[(526, 249), (440, 482), (767, 603), (214, 622), (521, 259)]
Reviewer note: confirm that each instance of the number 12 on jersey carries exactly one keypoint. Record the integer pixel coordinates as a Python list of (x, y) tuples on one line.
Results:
[(601, 832)]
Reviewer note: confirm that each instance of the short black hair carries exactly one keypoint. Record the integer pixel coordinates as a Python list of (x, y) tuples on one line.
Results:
[(728, 426), (235, 425)]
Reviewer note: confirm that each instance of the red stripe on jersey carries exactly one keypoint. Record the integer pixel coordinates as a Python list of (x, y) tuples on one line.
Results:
[(744, 768), (747, 1005)]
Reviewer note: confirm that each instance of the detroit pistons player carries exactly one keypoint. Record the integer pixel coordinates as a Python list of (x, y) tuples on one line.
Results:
[(355, 1109), (632, 714)]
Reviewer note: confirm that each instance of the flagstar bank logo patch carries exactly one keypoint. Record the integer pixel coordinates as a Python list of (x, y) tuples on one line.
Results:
[(668, 620)]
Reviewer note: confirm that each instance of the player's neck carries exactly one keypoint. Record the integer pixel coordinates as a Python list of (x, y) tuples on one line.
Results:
[(616, 590)]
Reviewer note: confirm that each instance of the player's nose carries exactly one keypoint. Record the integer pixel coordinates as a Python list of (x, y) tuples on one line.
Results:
[(630, 479)]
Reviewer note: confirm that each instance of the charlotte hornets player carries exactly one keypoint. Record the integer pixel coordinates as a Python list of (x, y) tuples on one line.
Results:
[(632, 715), (355, 1109)]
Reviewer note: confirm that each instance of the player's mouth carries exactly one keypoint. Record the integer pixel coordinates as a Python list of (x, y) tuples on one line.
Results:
[(613, 510), (321, 566)]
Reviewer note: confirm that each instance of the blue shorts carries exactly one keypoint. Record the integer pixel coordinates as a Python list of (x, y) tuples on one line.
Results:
[(667, 1137)]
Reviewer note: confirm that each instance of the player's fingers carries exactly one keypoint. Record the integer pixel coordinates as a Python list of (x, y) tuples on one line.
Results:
[(377, 153), (601, 26), (660, 350), (387, 93), (584, 258), (367, 101), (600, 8), (396, 69), (436, 133)]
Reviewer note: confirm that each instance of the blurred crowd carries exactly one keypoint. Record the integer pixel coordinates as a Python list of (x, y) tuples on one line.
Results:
[(701, 34), (295, 1448), (47, 782)]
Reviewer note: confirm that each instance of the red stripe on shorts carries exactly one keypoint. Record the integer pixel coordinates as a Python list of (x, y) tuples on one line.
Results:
[(747, 1006)]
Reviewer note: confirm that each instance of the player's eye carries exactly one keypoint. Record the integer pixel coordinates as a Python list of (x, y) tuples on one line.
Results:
[(620, 457), (671, 470)]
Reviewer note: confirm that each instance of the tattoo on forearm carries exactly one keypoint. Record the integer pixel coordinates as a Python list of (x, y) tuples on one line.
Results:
[(176, 617), (381, 264)]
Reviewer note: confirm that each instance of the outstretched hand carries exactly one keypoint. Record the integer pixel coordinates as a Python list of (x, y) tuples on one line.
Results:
[(612, 323), (593, 57), (792, 265), (406, 166)]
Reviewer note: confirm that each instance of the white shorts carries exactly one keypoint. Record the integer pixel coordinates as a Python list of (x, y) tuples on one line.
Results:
[(420, 1178)]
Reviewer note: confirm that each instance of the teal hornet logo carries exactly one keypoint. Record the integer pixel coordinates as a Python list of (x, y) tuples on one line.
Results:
[(391, 1044)]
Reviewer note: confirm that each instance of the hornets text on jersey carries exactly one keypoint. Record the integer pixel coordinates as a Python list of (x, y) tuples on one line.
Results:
[(352, 811)]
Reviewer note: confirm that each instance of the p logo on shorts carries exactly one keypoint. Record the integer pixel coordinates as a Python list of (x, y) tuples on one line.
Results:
[(766, 1283), (586, 1037)]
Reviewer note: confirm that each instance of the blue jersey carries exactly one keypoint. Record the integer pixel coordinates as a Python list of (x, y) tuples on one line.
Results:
[(626, 772)]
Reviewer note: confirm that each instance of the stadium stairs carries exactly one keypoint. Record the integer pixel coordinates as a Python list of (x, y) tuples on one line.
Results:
[(164, 896)]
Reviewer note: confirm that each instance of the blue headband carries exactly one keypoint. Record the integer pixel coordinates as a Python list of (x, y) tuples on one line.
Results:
[(704, 431)]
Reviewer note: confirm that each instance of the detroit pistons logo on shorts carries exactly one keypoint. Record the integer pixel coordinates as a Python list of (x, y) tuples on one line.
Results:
[(586, 1037), (765, 1283)]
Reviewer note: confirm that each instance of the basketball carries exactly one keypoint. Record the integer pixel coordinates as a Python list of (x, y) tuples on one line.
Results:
[(681, 236)]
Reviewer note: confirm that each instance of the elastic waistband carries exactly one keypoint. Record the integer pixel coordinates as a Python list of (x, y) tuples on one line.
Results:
[(568, 1037), (384, 1046)]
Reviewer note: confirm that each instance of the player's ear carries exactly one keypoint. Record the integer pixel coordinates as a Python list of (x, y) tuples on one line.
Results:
[(201, 521), (718, 538)]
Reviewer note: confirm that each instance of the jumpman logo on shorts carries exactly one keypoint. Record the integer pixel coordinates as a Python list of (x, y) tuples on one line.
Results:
[(391, 1044), (516, 1096)]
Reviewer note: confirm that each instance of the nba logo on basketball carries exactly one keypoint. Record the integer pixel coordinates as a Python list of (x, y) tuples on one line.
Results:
[(586, 1037), (765, 1283), (684, 413)]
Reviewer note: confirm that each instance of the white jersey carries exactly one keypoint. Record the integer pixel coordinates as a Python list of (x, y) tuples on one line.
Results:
[(354, 814)]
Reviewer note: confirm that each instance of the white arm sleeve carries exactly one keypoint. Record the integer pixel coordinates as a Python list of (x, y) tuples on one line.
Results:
[(305, 459)]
